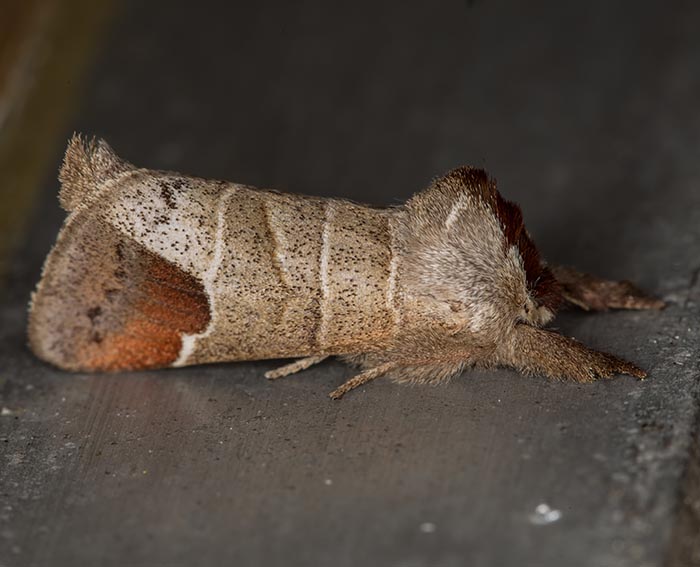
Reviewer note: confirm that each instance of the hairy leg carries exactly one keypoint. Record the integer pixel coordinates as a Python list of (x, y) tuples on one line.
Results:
[(545, 352), (591, 293), (362, 378), (293, 367)]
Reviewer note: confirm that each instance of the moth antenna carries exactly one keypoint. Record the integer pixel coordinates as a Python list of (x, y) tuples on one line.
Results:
[(87, 165)]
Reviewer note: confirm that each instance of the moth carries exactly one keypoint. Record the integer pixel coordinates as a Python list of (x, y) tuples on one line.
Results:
[(156, 269)]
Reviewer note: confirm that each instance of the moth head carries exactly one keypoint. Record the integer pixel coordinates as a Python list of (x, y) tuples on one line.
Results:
[(529, 293), (467, 245), (534, 313)]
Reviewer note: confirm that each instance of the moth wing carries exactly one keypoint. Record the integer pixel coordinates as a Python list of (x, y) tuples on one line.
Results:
[(107, 303)]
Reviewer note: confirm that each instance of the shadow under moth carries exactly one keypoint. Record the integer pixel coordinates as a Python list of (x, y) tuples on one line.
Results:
[(156, 269)]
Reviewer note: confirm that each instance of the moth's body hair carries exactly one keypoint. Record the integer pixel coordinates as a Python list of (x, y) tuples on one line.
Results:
[(156, 269)]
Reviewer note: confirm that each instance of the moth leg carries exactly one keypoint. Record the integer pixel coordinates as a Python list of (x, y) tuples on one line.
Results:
[(362, 378), (592, 293), (544, 352), (294, 367)]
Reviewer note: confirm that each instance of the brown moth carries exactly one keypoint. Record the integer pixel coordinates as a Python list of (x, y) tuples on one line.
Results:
[(155, 269)]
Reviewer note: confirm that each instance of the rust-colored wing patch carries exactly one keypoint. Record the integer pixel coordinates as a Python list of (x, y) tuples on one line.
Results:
[(108, 303)]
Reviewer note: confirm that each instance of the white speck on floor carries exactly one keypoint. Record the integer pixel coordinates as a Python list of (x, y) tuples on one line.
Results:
[(544, 515), (428, 527)]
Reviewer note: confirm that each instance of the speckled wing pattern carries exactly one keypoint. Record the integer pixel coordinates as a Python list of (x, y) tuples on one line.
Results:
[(156, 269)]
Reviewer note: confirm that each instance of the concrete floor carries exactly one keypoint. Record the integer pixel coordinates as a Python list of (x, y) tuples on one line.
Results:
[(587, 114)]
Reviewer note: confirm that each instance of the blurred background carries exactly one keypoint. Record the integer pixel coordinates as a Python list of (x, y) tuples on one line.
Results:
[(587, 114)]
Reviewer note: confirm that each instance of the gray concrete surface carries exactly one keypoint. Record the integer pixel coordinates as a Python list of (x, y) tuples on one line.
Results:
[(587, 113)]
